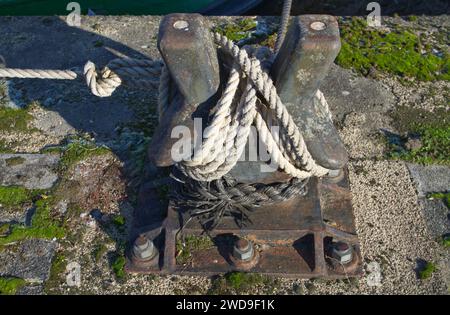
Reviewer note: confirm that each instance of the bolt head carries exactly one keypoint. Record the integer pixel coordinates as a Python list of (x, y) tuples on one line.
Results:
[(242, 244), (144, 248), (141, 242), (342, 252), (243, 250), (334, 173)]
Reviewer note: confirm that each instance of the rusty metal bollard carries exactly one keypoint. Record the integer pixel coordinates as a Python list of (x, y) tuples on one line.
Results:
[(289, 237)]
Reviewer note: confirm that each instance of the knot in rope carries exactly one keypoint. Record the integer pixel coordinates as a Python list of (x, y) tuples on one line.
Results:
[(140, 73)]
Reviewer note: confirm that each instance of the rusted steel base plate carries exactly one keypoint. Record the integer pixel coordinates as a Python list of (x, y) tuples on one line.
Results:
[(292, 238)]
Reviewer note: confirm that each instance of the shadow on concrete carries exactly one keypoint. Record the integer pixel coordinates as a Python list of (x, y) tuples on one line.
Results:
[(49, 43)]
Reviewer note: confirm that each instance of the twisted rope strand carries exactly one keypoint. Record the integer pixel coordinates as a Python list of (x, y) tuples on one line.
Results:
[(141, 73)]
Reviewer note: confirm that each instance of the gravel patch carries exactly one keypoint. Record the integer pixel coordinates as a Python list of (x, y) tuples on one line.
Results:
[(392, 227), (362, 134)]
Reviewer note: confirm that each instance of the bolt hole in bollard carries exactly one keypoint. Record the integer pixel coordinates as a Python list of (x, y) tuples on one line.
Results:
[(181, 25), (318, 26)]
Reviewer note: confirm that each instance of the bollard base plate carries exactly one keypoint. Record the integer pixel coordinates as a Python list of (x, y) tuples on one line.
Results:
[(292, 238)]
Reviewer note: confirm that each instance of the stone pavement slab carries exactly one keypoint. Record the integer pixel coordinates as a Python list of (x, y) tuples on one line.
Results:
[(30, 260), (431, 178), (32, 171), (436, 214)]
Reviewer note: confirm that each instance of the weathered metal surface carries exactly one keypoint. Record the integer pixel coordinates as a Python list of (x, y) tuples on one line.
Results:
[(292, 239), (311, 45), (185, 44), (257, 172)]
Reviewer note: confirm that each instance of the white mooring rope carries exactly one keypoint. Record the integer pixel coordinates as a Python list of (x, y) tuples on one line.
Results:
[(228, 131)]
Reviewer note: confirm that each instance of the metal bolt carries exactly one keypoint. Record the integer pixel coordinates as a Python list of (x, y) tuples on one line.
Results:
[(144, 248), (335, 176), (243, 250), (318, 26), (180, 25), (334, 173), (342, 252)]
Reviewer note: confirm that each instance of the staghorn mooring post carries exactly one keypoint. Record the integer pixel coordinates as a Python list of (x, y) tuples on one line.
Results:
[(185, 44), (311, 45), (308, 51), (289, 236)]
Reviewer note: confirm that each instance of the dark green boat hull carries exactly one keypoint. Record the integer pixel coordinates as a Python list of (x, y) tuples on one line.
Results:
[(126, 7)]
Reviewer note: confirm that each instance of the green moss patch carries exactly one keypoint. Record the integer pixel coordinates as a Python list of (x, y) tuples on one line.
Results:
[(99, 251), (10, 286), (119, 220), (427, 271), (398, 52), (446, 241), (16, 196), (270, 41), (435, 147), (5, 228), (238, 30), (118, 266), (4, 148), (79, 151), (432, 129), (14, 119), (189, 244), (241, 282), (407, 119), (57, 270), (443, 196), (43, 225)]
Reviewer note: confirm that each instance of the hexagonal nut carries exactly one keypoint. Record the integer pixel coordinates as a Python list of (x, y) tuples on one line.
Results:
[(244, 253), (343, 253), (142, 243), (144, 250)]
